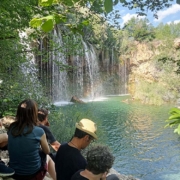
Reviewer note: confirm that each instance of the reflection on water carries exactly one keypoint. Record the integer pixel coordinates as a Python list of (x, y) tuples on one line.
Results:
[(136, 135)]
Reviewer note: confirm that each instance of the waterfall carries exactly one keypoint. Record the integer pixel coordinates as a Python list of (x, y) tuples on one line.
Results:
[(123, 74), (59, 77), (125, 77), (94, 88), (82, 80), (28, 70), (83, 77), (77, 82)]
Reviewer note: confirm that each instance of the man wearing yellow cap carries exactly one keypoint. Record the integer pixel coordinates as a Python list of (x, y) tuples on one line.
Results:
[(69, 158)]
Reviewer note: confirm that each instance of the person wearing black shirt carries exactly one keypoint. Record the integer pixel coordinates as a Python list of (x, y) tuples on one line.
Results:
[(69, 159), (44, 123), (99, 162)]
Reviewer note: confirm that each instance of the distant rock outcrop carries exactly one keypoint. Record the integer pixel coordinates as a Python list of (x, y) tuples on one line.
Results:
[(177, 43), (151, 71)]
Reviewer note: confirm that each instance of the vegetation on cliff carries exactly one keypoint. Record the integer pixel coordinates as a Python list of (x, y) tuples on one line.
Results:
[(154, 61)]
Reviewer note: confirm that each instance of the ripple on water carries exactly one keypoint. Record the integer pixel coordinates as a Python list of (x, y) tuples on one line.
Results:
[(140, 143), (137, 137)]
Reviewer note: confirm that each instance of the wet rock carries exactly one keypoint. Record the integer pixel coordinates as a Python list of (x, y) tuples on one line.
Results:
[(75, 99), (121, 176)]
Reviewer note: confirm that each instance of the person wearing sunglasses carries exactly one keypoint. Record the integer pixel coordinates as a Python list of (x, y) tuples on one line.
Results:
[(69, 159)]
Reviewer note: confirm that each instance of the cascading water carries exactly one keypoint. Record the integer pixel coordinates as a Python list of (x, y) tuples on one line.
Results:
[(59, 77), (29, 70), (81, 80), (94, 87), (123, 73), (84, 79)]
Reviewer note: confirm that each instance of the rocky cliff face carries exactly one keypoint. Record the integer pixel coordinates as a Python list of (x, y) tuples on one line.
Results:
[(151, 81)]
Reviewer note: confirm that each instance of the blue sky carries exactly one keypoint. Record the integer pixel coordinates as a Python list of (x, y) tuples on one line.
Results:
[(171, 14)]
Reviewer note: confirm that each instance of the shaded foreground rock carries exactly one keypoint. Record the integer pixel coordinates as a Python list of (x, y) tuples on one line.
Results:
[(4, 156), (121, 176), (7, 120)]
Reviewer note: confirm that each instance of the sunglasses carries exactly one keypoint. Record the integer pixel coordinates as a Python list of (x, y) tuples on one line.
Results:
[(91, 139)]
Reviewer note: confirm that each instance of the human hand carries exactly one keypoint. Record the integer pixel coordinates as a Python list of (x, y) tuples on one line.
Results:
[(47, 123)]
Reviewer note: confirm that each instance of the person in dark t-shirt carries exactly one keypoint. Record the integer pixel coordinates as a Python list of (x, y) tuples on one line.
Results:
[(69, 159), (44, 123), (99, 161)]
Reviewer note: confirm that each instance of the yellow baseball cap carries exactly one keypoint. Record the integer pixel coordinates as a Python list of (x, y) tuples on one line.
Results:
[(88, 126)]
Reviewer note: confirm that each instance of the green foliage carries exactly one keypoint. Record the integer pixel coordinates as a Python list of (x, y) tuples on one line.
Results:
[(139, 29), (15, 15), (100, 7), (45, 2), (167, 51), (108, 5), (63, 120), (150, 93), (154, 87), (174, 120), (47, 23), (144, 6), (167, 31), (17, 72)]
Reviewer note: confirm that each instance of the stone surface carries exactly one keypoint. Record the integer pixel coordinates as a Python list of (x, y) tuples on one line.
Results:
[(150, 80), (177, 43), (121, 176), (7, 120), (75, 99)]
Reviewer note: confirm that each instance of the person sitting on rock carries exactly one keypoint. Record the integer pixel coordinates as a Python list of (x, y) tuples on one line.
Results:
[(99, 162), (44, 123), (4, 170), (69, 159), (27, 145)]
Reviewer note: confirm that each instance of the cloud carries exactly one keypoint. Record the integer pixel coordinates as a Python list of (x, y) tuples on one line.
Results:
[(129, 16), (175, 22), (172, 10)]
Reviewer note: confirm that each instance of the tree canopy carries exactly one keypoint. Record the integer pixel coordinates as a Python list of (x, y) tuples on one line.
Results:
[(102, 7)]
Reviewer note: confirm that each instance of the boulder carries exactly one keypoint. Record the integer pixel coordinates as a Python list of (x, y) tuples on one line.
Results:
[(75, 99), (7, 120), (121, 176)]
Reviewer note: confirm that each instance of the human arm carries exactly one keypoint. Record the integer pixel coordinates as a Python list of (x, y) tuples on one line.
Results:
[(3, 140), (44, 144), (55, 145), (50, 138)]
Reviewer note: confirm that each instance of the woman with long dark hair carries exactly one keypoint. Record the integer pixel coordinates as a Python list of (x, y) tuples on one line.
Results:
[(27, 145)]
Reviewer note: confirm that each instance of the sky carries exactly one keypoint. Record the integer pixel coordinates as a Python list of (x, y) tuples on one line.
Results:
[(171, 14)]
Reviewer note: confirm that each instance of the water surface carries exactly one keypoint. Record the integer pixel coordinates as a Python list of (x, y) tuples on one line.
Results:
[(137, 137)]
